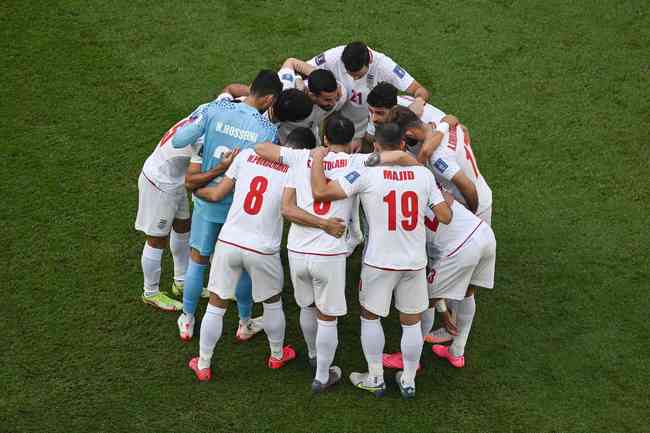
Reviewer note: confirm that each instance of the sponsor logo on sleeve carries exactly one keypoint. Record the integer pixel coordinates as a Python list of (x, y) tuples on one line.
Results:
[(399, 71), (352, 176), (320, 59), (287, 77), (440, 165)]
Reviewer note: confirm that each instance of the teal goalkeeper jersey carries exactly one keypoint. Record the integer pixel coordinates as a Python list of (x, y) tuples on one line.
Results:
[(225, 126)]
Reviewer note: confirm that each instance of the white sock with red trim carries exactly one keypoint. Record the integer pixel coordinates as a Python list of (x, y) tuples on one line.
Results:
[(274, 326)]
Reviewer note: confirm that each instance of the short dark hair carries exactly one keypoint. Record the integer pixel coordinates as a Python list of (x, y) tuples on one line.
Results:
[(292, 106), (383, 95), (388, 135), (339, 129), (355, 56), (301, 138), (266, 83), (404, 117), (321, 80)]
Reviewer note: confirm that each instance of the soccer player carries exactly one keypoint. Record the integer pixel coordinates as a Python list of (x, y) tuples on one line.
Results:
[(360, 68), (447, 164), (227, 126), (462, 257), (249, 241), (323, 90), (163, 208), (394, 199)]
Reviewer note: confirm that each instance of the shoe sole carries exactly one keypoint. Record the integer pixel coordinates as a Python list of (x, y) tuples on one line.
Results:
[(159, 308)]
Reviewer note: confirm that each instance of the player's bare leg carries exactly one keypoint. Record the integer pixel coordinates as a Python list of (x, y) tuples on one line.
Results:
[(275, 326), (151, 269), (211, 330), (372, 342), (180, 248), (327, 340)]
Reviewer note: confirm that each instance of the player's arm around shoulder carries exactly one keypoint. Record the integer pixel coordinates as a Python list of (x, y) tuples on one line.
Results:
[(290, 210), (217, 192), (322, 190), (192, 130)]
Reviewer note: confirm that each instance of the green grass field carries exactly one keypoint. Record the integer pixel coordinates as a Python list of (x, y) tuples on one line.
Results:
[(557, 96)]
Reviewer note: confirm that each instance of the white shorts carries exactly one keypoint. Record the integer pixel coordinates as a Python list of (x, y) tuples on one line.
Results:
[(319, 280), (228, 262), (157, 209), (473, 264), (378, 286)]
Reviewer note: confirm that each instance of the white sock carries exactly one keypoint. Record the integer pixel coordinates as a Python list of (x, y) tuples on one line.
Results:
[(372, 342), (327, 339), (151, 258), (211, 329), (180, 248), (465, 316), (309, 326), (274, 326), (411, 346), (428, 317)]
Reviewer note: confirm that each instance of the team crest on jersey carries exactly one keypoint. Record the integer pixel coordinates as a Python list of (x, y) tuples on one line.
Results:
[(162, 223), (399, 71), (352, 176), (320, 59), (440, 165)]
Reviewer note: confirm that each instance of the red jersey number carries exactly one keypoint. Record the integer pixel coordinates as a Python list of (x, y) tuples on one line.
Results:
[(255, 197)]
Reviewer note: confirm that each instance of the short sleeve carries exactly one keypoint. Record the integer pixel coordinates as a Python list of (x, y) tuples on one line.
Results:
[(358, 159), (444, 166), (291, 178), (197, 152), (435, 195), (225, 96), (292, 157), (233, 170), (326, 59), (353, 181), (394, 73), (288, 78), (371, 128)]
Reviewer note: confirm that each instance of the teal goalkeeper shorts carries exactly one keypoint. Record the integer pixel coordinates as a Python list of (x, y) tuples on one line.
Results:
[(204, 234)]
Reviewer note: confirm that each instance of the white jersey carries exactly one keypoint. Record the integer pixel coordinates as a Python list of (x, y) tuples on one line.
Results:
[(445, 239), (430, 114), (455, 154), (311, 240), (315, 119), (394, 200), (254, 221), (381, 68), (167, 165)]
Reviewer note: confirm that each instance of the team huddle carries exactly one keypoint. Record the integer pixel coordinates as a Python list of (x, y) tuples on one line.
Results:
[(329, 145)]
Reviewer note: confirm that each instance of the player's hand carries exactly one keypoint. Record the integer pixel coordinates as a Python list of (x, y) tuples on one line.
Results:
[(448, 323), (335, 227), (355, 146), (228, 157), (319, 152), (420, 133), (417, 106), (451, 120)]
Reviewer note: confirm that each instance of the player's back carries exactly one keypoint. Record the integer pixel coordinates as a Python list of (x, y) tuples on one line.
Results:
[(167, 165), (312, 240), (444, 239), (394, 200), (255, 221)]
